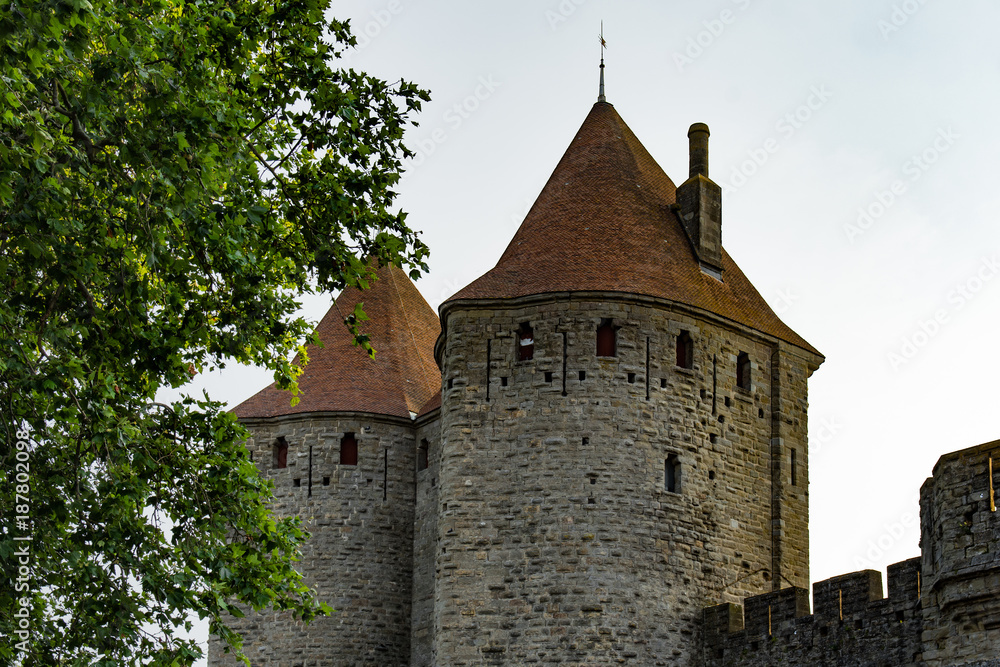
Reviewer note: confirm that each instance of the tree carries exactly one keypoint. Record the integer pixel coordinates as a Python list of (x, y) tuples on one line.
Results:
[(172, 176)]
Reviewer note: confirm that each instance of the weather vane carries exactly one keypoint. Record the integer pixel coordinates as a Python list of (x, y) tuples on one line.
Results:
[(604, 45)]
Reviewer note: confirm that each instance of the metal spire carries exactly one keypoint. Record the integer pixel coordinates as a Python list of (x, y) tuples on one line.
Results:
[(604, 45)]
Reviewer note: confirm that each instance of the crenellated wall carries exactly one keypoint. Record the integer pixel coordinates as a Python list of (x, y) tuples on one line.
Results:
[(852, 624), (943, 608), (360, 556), (557, 539)]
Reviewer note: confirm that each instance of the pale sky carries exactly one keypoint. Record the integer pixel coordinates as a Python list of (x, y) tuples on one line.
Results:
[(856, 145)]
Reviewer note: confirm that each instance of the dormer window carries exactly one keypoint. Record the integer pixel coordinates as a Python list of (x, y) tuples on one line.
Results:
[(743, 371), (606, 335), (525, 342), (685, 350)]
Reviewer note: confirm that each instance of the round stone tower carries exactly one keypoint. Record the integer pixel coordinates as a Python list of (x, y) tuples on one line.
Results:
[(343, 459), (623, 425)]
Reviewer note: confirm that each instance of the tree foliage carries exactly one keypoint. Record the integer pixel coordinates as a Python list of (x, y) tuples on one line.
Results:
[(172, 175)]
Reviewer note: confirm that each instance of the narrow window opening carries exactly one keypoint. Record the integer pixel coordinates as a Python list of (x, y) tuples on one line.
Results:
[(326, 481), (703, 394), (280, 453), (525, 342), (348, 450), (423, 452), (564, 359), (711, 474), (503, 381), (586, 441), (606, 343), (663, 383), (593, 480), (792, 463), (743, 371), (760, 413), (631, 378), (728, 402), (685, 350), (296, 482), (451, 382), (672, 474), (713, 438), (548, 376), (583, 375)]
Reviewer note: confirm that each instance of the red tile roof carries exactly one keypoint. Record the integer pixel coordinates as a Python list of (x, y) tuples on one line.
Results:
[(402, 378), (604, 222)]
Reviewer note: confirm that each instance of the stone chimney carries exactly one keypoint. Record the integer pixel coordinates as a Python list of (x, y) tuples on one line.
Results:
[(699, 204)]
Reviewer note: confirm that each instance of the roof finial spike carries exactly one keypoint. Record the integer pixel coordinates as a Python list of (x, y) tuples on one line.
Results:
[(604, 45)]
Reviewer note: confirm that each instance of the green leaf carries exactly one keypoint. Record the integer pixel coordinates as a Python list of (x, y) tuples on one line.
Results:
[(146, 236)]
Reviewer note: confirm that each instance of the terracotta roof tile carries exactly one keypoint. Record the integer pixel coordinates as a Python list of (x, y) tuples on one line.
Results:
[(402, 378), (604, 222)]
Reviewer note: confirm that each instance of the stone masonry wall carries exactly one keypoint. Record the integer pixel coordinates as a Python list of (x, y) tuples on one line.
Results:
[(960, 540), (557, 540), (425, 533), (852, 624), (360, 556)]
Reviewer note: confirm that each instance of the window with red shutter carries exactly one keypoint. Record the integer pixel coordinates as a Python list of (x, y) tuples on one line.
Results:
[(348, 450)]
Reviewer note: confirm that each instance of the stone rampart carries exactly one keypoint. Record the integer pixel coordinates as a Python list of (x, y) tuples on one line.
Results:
[(852, 624)]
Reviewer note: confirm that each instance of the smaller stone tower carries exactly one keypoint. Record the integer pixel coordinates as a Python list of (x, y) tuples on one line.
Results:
[(343, 459), (960, 545)]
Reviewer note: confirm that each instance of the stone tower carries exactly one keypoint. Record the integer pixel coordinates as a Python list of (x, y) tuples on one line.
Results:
[(343, 459), (622, 427), (594, 455)]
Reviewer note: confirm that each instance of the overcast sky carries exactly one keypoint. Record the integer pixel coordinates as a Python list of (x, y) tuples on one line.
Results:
[(856, 144)]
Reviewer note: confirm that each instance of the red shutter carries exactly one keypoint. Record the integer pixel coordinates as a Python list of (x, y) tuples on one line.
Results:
[(348, 450), (606, 340)]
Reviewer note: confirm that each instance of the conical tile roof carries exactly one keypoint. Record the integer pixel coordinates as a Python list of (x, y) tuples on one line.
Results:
[(341, 377), (605, 222)]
